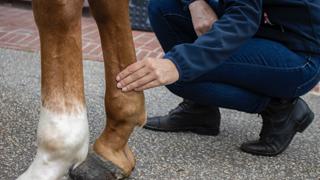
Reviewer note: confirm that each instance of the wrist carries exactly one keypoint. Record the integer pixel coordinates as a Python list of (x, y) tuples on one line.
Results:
[(173, 70)]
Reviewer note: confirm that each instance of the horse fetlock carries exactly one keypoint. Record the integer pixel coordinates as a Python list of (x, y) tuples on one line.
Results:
[(63, 141)]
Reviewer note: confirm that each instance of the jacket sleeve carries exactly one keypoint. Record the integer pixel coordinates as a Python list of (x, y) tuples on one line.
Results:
[(240, 22)]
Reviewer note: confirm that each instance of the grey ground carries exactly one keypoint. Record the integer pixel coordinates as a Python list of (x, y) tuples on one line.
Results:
[(160, 156)]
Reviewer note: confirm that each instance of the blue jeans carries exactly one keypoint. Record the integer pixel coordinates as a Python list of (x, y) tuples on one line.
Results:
[(258, 72)]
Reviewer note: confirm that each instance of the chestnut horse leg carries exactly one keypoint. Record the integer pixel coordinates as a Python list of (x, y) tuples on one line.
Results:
[(63, 134), (124, 110)]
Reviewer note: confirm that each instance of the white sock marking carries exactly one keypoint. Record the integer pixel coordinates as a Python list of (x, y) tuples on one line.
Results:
[(63, 141)]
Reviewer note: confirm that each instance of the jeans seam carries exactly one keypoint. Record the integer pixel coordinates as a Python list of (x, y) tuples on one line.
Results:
[(286, 70), (316, 75), (279, 69)]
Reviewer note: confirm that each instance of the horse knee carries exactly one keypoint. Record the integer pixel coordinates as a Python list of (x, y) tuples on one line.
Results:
[(57, 14), (110, 11)]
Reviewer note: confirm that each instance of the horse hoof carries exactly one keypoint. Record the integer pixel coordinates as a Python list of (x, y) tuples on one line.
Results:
[(96, 168)]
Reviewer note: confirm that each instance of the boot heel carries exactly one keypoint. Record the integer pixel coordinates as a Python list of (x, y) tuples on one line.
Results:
[(305, 123)]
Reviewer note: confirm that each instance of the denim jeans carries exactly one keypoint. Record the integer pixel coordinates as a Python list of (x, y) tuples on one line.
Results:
[(256, 73)]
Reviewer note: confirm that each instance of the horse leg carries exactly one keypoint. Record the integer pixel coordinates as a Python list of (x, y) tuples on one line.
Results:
[(63, 134), (124, 110)]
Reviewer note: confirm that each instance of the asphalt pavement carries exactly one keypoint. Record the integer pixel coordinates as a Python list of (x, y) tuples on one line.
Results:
[(160, 156)]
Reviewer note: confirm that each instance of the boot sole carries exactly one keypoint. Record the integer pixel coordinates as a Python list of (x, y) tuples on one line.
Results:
[(200, 131), (300, 127)]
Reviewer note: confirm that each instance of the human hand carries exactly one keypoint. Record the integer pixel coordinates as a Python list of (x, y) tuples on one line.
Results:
[(147, 73), (203, 16)]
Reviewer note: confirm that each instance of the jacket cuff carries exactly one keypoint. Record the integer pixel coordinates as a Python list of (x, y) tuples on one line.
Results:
[(179, 65)]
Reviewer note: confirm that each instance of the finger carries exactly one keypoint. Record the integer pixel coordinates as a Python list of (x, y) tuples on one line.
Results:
[(133, 77), (129, 70), (139, 83), (149, 85)]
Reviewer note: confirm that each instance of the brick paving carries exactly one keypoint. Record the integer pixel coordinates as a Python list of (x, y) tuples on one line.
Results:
[(18, 31)]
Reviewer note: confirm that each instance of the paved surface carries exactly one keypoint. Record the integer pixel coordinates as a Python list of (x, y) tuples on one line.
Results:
[(161, 156), (18, 31)]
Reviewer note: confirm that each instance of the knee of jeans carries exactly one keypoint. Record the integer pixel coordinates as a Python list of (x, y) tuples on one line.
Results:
[(154, 7)]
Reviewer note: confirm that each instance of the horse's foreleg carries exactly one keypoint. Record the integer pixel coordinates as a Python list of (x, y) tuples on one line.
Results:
[(124, 110), (63, 133)]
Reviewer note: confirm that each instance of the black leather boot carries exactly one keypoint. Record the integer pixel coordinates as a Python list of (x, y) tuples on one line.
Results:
[(188, 116), (281, 121)]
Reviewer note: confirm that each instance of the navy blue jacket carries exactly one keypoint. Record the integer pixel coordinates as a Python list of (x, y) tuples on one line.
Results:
[(295, 23)]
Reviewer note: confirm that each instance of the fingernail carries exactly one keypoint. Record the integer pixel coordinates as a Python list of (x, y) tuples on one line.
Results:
[(118, 78), (119, 85), (124, 89)]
